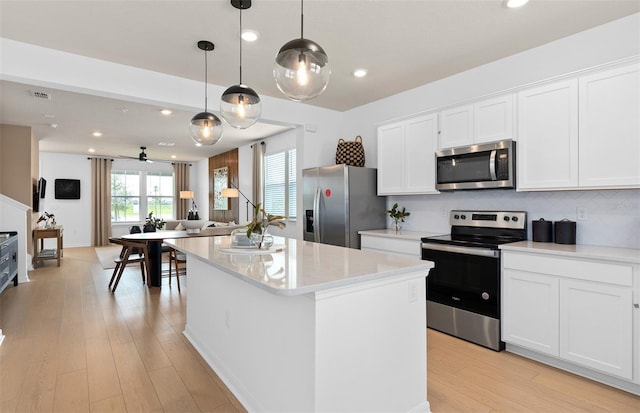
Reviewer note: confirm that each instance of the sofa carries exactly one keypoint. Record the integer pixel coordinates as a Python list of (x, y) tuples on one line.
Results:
[(215, 228)]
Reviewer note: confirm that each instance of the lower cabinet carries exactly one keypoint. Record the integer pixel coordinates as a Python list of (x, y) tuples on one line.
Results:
[(405, 243), (580, 311)]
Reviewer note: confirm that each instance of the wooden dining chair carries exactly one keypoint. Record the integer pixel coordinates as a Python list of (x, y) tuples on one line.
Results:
[(132, 251), (175, 258)]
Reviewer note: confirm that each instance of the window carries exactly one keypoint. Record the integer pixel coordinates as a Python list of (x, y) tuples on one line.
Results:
[(160, 194), (125, 196), (280, 183), (127, 201)]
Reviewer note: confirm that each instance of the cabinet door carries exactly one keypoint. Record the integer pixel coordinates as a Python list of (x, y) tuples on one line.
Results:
[(493, 119), (391, 159), (456, 127), (530, 303), (596, 326), (609, 128), (548, 136), (419, 159)]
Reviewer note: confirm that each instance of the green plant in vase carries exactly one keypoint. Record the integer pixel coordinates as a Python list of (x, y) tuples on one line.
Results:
[(398, 216), (257, 228)]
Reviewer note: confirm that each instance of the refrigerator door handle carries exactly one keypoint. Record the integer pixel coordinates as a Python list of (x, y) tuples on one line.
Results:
[(316, 214)]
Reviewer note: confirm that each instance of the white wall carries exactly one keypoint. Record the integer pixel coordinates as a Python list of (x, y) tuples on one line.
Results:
[(613, 216), (73, 214)]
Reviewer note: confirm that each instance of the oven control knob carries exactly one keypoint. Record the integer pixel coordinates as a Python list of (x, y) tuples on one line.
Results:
[(463, 216), (506, 219), (456, 216), (485, 295), (514, 219)]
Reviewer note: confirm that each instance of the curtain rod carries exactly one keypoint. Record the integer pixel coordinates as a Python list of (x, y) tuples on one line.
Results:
[(97, 157)]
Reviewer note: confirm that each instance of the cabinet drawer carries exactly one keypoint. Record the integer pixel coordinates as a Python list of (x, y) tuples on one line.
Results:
[(617, 274), (398, 246)]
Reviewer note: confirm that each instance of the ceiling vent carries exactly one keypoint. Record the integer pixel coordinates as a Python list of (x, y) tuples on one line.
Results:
[(40, 95)]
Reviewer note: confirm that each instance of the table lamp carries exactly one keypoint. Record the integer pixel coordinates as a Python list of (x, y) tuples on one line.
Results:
[(193, 211)]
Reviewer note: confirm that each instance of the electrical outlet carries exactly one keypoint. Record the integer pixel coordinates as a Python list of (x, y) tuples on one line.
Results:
[(581, 212)]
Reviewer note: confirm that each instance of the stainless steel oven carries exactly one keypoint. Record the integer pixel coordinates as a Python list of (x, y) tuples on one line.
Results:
[(463, 289)]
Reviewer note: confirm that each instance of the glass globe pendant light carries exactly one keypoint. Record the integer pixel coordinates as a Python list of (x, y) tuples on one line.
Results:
[(302, 68), (240, 105), (206, 128)]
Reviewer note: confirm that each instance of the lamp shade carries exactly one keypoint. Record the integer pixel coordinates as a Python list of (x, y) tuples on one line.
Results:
[(229, 193), (240, 106), (301, 69), (186, 194), (206, 128)]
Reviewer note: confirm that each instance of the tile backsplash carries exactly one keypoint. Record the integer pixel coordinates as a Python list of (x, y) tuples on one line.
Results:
[(612, 216)]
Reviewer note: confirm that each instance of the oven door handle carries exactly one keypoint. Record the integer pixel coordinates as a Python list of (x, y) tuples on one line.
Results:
[(483, 252)]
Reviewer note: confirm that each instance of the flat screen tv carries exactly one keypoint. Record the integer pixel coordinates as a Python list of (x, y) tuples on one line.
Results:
[(42, 187), (67, 189)]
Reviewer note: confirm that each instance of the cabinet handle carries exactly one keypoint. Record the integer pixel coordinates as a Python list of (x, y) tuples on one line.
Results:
[(636, 305)]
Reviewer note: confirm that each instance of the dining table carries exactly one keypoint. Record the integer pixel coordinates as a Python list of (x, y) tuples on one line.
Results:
[(154, 246)]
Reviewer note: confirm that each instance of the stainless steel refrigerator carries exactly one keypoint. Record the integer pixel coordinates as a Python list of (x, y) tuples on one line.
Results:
[(338, 201)]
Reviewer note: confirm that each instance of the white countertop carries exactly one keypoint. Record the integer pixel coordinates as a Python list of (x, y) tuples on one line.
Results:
[(299, 267), (622, 255), (391, 233)]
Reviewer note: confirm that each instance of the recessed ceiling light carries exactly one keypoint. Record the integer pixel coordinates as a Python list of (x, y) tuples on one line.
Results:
[(53, 125), (97, 134), (166, 112), (91, 150), (173, 157), (249, 35), (166, 144), (512, 4), (46, 115), (360, 72)]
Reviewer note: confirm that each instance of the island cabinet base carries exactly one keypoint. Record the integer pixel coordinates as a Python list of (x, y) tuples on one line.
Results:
[(358, 348)]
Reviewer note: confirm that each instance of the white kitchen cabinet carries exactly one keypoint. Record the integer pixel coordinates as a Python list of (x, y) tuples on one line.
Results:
[(484, 121), (577, 310), (456, 127), (403, 243), (406, 156), (523, 291), (596, 326), (547, 150), (609, 149), (581, 133)]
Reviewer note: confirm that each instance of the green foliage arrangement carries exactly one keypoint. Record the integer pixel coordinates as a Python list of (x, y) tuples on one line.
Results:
[(397, 214), (262, 220)]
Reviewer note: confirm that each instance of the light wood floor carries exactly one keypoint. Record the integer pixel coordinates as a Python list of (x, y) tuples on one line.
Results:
[(72, 346)]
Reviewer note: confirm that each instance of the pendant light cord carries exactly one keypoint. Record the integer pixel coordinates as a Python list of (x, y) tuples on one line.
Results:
[(240, 38), (302, 19), (205, 80)]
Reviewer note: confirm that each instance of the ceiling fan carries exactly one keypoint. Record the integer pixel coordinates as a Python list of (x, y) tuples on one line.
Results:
[(142, 156)]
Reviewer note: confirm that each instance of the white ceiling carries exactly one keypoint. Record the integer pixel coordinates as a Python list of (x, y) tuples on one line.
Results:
[(403, 44)]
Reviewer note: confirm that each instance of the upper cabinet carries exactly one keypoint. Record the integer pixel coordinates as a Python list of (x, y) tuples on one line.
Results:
[(609, 125), (406, 156), (484, 121), (548, 136), (581, 133)]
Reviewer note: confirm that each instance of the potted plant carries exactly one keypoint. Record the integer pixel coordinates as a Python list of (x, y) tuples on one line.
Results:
[(398, 216), (257, 228), (151, 223)]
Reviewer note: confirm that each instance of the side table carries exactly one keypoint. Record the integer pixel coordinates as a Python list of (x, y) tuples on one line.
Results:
[(40, 254)]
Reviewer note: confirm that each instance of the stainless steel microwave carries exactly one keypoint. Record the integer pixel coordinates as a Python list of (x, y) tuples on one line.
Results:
[(488, 165)]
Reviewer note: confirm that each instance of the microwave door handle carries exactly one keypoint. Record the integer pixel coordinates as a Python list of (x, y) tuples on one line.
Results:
[(492, 165), (316, 214)]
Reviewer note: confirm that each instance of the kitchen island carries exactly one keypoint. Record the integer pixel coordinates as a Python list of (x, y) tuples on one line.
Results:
[(309, 327)]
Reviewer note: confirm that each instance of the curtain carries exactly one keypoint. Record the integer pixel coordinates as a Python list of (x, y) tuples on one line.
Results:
[(180, 183), (258, 172), (100, 201)]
